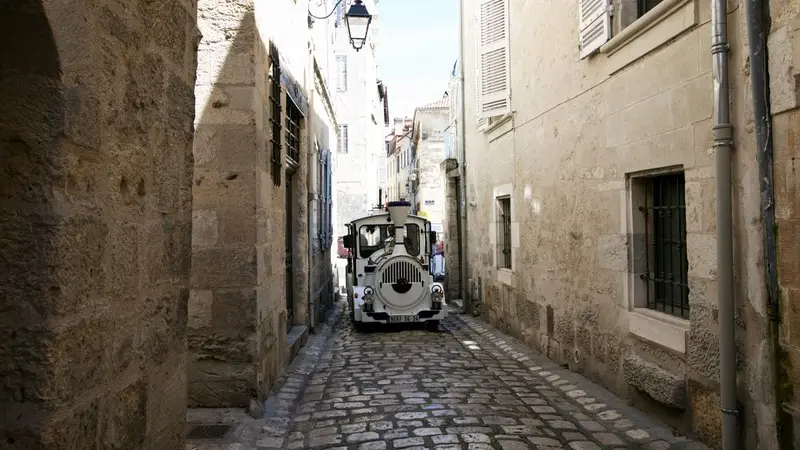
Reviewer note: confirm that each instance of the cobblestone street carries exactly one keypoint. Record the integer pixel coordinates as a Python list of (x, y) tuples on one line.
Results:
[(465, 386)]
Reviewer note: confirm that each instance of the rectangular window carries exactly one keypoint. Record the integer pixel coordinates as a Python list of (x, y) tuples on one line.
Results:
[(343, 141), (293, 119), (504, 232), (275, 113), (667, 270), (341, 73), (644, 6)]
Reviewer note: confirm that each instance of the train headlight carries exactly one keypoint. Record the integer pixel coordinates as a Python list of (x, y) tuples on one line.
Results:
[(437, 292), (368, 293)]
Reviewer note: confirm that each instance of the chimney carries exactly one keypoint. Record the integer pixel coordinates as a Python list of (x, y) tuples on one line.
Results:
[(398, 210)]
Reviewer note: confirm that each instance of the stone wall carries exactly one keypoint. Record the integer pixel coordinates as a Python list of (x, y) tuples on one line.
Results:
[(238, 308), (784, 68), (429, 128), (569, 157), (452, 243), (95, 213)]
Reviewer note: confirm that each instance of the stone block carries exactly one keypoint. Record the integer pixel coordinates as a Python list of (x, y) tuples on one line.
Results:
[(225, 147), (78, 429), (663, 386), (702, 255), (223, 268), (613, 252), (124, 416), (200, 308), (234, 308), (167, 248), (205, 228), (218, 189), (237, 226)]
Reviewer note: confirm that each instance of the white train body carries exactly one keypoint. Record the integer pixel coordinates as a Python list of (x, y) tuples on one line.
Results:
[(388, 272)]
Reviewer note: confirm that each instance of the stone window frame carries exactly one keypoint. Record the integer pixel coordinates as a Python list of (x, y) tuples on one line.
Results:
[(661, 328), (504, 275), (633, 37)]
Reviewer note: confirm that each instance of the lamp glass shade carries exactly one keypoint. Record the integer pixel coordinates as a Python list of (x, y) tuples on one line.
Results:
[(358, 21)]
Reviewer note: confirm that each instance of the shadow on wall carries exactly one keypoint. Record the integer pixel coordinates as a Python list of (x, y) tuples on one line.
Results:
[(237, 323), (31, 124), (95, 165)]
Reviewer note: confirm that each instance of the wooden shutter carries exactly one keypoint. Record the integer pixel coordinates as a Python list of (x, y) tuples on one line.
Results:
[(594, 24), (494, 84)]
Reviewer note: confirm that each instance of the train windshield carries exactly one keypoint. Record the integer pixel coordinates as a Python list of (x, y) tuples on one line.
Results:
[(373, 237)]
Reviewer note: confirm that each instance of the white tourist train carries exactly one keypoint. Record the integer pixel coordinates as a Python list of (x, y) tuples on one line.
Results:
[(389, 278)]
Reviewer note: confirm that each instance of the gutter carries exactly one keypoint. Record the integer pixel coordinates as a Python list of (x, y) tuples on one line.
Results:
[(723, 147), (757, 26), (463, 251)]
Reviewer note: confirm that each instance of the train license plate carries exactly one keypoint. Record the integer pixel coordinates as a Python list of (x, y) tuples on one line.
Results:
[(403, 319)]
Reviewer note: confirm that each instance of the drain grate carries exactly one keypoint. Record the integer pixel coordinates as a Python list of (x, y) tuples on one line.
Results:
[(208, 431)]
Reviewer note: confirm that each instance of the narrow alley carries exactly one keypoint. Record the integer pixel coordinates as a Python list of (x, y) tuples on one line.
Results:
[(465, 386)]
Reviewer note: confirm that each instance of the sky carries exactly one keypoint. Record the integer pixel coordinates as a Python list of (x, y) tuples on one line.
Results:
[(418, 46)]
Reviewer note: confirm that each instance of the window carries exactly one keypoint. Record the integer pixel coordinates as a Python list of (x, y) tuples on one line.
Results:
[(275, 113), (373, 237), (504, 232), (666, 273), (644, 6), (343, 140), (341, 73), (293, 118), (492, 59)]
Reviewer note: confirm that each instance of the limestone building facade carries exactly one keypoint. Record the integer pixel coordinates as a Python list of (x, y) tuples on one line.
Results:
[(362, 109), (430, 122), (96, 166), (591, 202), (261, 271)]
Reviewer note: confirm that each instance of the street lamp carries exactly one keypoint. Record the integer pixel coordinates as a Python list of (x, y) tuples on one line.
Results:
[(358, 20)]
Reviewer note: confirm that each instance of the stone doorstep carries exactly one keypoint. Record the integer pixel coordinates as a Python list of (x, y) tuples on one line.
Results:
[(296, 339)]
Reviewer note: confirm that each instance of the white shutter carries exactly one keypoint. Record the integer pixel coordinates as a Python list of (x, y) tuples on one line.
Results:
[(493, 59), (594, 24)]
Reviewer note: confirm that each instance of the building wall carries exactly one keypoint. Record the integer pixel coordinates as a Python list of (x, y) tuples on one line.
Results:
[(95, 213), (429, 131), (238, 313), (360, 108), (784, 68), (579, 130)]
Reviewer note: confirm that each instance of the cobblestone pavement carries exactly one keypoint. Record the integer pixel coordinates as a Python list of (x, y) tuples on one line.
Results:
[(466, 386)]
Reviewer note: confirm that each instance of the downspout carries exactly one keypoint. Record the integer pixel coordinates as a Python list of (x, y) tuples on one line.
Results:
[(463, 166), (723, 146), (757, 25)]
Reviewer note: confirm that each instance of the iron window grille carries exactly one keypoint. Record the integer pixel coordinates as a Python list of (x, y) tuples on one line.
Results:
[(275, 116), (343, 139), (504, 231), (293, 118), (667, 263)]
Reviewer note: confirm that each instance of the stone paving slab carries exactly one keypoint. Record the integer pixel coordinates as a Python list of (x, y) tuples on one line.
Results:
[(467, 386)]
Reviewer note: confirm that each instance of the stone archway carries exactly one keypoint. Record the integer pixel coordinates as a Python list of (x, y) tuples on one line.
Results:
[(96, 111)]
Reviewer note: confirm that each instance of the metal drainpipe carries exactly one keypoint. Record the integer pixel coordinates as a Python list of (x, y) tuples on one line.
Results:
[(723, 146), (757, 20), (463, 165)]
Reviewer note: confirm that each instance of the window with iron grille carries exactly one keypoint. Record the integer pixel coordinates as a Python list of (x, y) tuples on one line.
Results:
[(342, 139), (644, 6), (275, 113), (504, 232), (666, 274), (293, 124), (341, 73)]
